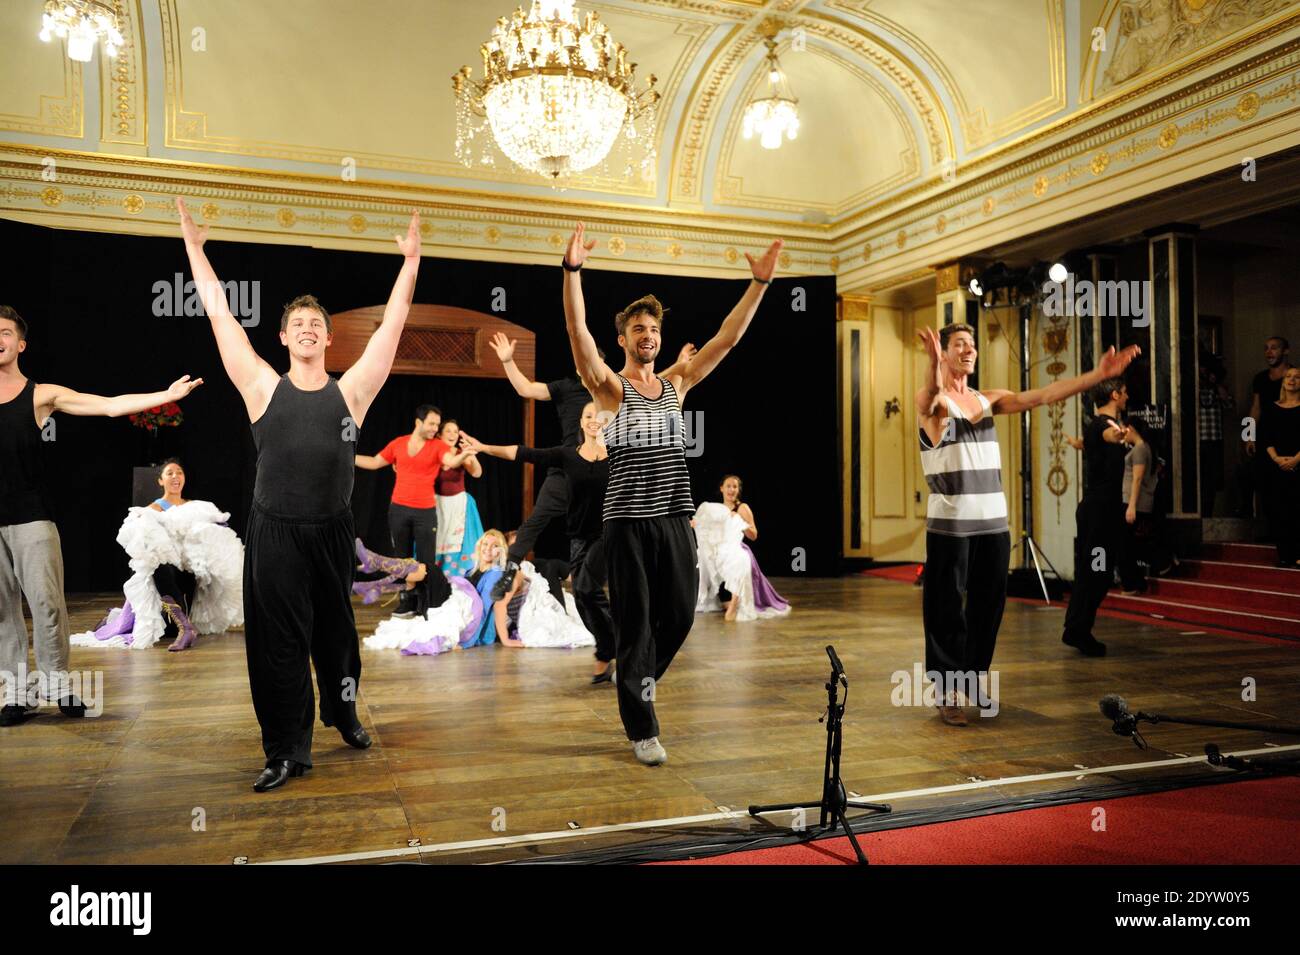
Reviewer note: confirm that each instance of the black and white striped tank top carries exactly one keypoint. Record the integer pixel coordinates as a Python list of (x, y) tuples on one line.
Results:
[(964, 474), (647, 457)]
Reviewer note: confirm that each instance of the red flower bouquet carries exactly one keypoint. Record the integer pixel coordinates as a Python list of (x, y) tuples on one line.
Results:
[(163, 416)]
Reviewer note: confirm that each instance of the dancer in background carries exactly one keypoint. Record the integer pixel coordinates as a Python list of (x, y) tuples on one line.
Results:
[(413, 512), (188, 576), (726, 560), (459, 524), (1144, 524), (462, 619), (967, 539), (585, 468), (649, 544), (299, 560), (31, 560), (1279, 436)]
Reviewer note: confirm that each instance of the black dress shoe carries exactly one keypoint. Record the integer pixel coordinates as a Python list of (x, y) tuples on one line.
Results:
[(1088, 645), (13, 714), (70, 705), (277, 774), (606, 677), (357, 738), (502, 586)]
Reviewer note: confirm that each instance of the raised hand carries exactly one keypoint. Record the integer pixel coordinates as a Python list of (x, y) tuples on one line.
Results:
[(409, 244), (181, 387), (579, 248), (192, 234), (1112, 365), (686, 354), (467, 443), (503, 346), (930, 339), (765, 267)]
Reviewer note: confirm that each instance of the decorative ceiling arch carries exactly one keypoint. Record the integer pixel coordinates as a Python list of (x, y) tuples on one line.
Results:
[(730, 188)]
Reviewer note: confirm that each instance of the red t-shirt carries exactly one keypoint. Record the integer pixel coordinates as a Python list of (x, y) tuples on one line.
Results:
[(415, 475)]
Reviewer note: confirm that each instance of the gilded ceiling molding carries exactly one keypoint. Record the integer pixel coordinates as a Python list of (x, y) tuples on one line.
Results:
[(1199, 118), (729, 189), (1143, 50), (58, 114), (976, 130), (123, 85), (912, 83), (117, 201), (188, 129), (1001, 169)]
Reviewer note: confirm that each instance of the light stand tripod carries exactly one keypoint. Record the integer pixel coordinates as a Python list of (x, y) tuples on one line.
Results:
[(1032, 550), (834, 799)]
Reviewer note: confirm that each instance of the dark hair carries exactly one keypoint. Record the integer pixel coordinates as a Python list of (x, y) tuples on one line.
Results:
[(443, 427), (166, 461), (1100, 393), (424, 411), (1142, 426), (1286, 345), (740, 485), (946, 333), (645, 305), (13, 316), (306, 301)]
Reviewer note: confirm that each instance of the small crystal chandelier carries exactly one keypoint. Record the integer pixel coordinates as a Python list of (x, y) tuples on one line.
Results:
[(777, 113), (557, 96), (81, 22)]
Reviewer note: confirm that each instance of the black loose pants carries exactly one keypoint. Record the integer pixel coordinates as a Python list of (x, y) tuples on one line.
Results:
[(552, 502), (587, 564), (298, 612), (415, 532), (653, 582), (1100, 543), (963, 596)]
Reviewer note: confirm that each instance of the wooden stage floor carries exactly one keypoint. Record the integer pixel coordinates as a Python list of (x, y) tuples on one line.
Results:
[(497, 744)]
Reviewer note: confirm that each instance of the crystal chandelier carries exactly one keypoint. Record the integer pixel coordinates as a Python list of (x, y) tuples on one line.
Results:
[(82, 23), (777, 113), (557, 96)]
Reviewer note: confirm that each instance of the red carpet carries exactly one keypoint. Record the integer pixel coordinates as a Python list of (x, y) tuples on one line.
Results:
[(1246, 822), (904, 572)]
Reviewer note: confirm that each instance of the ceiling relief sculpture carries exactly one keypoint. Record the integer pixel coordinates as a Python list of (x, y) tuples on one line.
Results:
[(1143, 36)]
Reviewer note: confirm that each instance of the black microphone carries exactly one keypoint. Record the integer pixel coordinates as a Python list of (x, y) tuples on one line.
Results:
[(837, 668), (1115, 708)]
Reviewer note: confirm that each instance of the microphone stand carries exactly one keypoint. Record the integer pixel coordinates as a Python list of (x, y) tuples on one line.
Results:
[(834, 800), (1125, 724)]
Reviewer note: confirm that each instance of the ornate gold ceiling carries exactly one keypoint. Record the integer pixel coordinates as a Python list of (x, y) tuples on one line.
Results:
[(322, 120)]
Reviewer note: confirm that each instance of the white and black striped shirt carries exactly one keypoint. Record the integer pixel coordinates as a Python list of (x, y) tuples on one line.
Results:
[(647, 457), (964, 474)]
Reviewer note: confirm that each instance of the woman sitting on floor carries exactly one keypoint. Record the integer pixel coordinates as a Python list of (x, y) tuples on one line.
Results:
[(188, 572), (726, 560)]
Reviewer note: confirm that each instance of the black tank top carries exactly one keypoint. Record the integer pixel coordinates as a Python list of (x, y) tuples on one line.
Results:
[(306, 444), (23, 495)]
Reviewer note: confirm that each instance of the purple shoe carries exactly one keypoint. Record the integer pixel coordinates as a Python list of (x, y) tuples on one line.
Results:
[(371, 590), (370, 562), (186, 632)]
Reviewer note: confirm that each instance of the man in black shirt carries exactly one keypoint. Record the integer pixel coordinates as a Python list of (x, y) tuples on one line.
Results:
[(1099, 517), (1265, 388)]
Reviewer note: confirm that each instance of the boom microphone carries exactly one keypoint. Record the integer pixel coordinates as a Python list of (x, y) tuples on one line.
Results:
[(1115, 708)]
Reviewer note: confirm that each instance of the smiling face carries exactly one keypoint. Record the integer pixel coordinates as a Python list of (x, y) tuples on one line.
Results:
[(1274, 352), (11, 341), (591, 423), (1291, 383), (731, 490), (489, 549), (428, 428), (960, 354), (450, 433), (641, 338), (172, 479), (306, 334)]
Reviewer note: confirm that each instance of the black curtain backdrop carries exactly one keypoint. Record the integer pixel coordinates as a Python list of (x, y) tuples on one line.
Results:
[(768, 412)]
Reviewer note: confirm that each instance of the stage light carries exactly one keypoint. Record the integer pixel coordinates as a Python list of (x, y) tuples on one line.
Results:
[(1058, 272), (975, 287)]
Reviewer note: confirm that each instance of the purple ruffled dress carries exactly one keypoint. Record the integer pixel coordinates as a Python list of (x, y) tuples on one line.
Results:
[(765, 595)]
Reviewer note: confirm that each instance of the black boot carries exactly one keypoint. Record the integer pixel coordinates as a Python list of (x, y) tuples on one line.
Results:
[(502, 586), (277, 774)]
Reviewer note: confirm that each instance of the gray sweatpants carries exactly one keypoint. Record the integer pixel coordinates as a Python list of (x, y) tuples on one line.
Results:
[(31, 560)]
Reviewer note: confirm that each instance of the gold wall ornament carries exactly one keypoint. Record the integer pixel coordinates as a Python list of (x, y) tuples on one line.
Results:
[(866, 252), (730, 255), (784, 260), (940, 223), (1168, 136), (946, 278), (989, 205), (617, 245), (1099, 162), (834, 263), (901, 238), (210, 211), (51, 195), (558, 96), (1041, 185), (492, 234), (357, 222), (1248, 107), (133, 204), (285, 218), (674, 250)]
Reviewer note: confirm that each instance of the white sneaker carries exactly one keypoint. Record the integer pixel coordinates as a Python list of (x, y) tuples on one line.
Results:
[(649, 751)]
